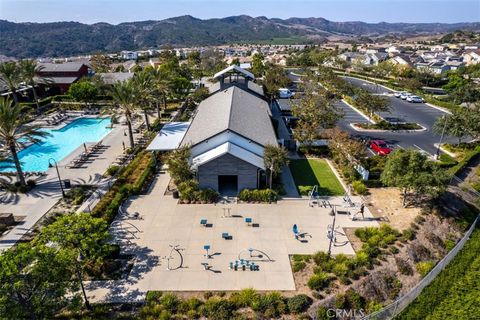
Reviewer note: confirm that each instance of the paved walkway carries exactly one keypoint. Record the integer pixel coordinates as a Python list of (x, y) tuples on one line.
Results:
[(32, 206), (164, 224)]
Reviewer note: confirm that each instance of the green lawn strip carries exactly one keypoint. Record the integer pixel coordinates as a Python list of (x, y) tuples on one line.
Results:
[(455, 292), (313, 172)]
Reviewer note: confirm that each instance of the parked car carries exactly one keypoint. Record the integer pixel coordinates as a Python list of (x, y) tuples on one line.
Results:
[(380, 147), (405, 95), (397, 94), (285, 93), (415, 99)]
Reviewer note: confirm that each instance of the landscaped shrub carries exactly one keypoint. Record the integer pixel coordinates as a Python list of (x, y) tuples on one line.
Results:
[(208, 195), (299, 303), (350, 300), (245, 298), (424, 267), (218, 309), (258, 195), (298, 266), (305, 190), (112, 170), (272, 305), (359, 187), (188, 190), (319, 281)]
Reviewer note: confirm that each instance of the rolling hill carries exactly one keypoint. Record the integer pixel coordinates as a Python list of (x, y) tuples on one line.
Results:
[(56, 39)]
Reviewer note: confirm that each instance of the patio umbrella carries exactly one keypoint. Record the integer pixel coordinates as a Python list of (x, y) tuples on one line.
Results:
[(123, 144), (85, 147)]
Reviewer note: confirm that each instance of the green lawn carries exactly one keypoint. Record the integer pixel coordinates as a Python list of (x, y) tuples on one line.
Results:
[(313, 172)]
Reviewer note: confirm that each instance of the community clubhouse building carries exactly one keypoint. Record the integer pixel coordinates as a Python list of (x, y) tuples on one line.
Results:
[(227, 135)]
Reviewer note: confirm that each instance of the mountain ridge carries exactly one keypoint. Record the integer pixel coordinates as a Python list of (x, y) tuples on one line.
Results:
[(69, 38)]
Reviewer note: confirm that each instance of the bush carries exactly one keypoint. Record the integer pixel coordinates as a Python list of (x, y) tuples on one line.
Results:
[(359, 187), (298, 266), (319, 281), (188, 190), (350, 300), (113, 170), (403, 266), (408, 234), (208, 195), (299, 303), (305, 190), (424, 267), (263, 195)]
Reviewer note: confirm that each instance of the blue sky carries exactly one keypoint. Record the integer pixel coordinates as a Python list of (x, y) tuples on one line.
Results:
[(116, 11)]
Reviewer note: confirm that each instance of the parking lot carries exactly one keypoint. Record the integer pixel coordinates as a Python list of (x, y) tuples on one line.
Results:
[(419, 113)]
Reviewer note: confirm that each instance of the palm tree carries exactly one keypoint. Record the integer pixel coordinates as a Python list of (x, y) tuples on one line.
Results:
[(123, 95), (143, 83), (161, 89), (14, 133), (10, 73), (29, 70)]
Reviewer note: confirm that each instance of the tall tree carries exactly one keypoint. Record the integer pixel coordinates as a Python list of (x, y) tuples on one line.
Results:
[(123, 95), (83, 91), (83, 236), (274, 79), (371, 103), (100, 63), (29, 69), (275, 158), (35, 282), (161, 90), (258, 68), (414, 174), (14, 133), (10, 73), (457, 124), (144, 86)]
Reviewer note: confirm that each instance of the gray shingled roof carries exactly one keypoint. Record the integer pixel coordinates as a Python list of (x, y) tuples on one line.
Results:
[(61, 67), (113, 77), (232, 109)]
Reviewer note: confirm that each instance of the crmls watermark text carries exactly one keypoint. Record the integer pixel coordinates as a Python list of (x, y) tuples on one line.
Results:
[(346, 313)]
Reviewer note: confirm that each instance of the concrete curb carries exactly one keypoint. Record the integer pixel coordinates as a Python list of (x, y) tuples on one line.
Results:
[(451, 154), (353, 125), (438, 108)]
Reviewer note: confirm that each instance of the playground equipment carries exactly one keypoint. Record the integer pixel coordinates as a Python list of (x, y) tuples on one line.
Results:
[(177, 249), (253, 255)]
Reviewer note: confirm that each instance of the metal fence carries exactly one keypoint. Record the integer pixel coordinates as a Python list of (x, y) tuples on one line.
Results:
[(401, 303)]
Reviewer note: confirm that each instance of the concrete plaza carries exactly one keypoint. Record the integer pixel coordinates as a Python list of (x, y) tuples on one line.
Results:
[(163, 224)]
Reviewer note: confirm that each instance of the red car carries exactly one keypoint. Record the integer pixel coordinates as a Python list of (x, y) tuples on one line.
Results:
[(380, 147)]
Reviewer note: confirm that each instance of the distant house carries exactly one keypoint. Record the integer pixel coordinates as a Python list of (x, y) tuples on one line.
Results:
[(350, 56), (401, 60), (435, 67), (375, 58), (129, 55), (471, 57), (62, 75)]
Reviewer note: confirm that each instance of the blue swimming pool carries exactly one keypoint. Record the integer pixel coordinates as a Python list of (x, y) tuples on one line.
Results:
[(59, 144)]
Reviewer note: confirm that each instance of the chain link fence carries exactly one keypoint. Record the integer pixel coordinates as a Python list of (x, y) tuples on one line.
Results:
[(401, 303)]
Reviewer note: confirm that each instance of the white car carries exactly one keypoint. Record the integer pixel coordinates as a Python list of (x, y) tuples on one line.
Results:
[(405, 95), (284, 93), (397, 94), (415, 99)]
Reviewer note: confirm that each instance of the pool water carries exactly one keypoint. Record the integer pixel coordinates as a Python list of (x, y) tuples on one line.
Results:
[(59, 144)]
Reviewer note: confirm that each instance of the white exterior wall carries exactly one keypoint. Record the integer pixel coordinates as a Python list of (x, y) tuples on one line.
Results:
[(226, 137)]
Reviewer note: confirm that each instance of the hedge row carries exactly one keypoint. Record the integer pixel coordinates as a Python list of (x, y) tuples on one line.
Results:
[(131, 181), (258, 195)]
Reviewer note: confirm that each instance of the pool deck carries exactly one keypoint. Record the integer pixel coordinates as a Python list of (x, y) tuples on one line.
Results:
[(32, 207)]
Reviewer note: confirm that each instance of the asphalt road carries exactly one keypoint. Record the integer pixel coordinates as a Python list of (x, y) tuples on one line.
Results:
[(419, 113)]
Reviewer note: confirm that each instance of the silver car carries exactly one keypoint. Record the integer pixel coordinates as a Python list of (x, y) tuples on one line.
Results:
[(415, 99)]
